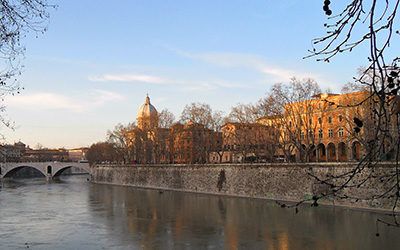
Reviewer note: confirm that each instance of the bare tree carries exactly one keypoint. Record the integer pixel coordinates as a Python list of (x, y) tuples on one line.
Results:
[(244, 136), (102, 152), (198, 113), (371, 23), (165, 118), (208, 138), (129, 142), (244, 113), (18, 17), (356, 86), (247, 141), (292, 108), (156, 141), (216, 142)]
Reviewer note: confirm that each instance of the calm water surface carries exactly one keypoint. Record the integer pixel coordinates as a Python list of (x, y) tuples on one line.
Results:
[(75, 214)]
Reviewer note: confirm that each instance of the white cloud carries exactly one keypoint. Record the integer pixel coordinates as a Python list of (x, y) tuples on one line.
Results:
[(248, 61), (128, 78), (101, 97), (211, 85), (189, 85), (200, 87), (55, 101)]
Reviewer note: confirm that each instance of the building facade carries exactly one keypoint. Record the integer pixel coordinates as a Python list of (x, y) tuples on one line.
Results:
[(192, 143), (322, 129), (77, 154), (19, 152), (245, 142), (179, 144)]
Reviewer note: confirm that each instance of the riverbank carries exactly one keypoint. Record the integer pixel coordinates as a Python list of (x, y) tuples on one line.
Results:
[(280, 182)]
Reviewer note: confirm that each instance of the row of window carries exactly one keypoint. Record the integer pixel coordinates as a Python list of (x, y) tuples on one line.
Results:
[(246, 146), (321, 133), (330, 120)]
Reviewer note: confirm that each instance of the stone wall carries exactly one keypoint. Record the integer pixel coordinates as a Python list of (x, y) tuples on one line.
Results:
[(283, 182)]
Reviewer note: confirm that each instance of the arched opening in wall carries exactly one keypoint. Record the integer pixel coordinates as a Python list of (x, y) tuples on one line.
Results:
[(23, 172), (313, 153), (49, 170), (356, 150), (331, 152), (303, 153), (321, 151), (342, 150)]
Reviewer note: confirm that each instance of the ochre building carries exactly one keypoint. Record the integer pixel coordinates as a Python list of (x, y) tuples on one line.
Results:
[(322, 128), (179, 144), (245, 142)]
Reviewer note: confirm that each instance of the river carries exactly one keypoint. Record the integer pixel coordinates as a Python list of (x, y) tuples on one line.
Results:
[(75, 214)]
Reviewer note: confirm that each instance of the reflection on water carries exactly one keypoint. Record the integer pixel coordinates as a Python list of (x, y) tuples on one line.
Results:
[(75, 214)]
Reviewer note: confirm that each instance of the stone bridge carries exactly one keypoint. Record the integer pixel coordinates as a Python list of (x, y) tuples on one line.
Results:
[(48, 169)]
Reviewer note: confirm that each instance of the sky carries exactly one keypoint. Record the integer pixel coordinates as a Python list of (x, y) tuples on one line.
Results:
[(94, 66)]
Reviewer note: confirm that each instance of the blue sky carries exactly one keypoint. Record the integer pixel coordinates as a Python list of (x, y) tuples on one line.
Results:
[(98, 59)]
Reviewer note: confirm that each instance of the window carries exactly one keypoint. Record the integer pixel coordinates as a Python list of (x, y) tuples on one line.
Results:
[(310, 121), (341, 132), (340, 118), (330, 132), (330, 119), (302, 135), (320, 134), (320, 120)]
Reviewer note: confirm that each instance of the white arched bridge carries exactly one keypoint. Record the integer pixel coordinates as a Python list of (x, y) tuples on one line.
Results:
[(48, 169)]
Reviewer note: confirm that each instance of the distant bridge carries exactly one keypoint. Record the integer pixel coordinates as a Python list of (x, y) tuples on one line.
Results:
[(48, 169)]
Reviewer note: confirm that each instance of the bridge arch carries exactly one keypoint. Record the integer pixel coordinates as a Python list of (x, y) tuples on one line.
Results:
[(61, 170), (10, 172)]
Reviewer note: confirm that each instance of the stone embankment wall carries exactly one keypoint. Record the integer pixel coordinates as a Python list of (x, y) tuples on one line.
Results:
[(283, 182)]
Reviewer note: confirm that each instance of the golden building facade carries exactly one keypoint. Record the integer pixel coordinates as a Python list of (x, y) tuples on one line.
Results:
[(322, 128), (245, 142), (192, 143), (179, 144)]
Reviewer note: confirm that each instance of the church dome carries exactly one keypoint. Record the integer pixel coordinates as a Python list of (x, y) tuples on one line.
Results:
[(147, 116)]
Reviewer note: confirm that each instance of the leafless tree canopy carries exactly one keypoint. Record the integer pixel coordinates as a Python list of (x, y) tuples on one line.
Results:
[(368, 24), (102, 152), (243, 113), (165, 118), (203, 114), (18, 17), (292, 119), (125, 144)]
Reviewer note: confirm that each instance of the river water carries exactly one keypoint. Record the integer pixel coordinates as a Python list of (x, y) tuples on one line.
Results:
[(76, 214)]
